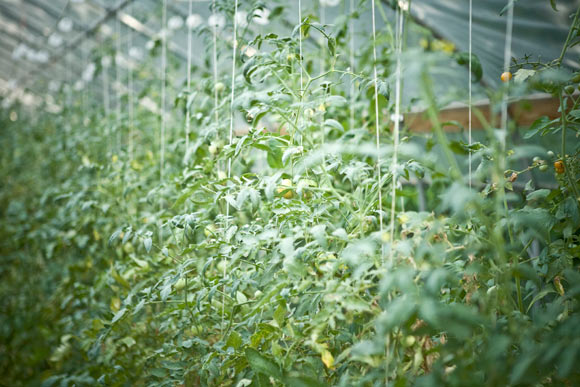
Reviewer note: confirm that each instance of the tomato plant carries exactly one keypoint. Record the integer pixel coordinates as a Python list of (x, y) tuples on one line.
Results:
[(275, 255)]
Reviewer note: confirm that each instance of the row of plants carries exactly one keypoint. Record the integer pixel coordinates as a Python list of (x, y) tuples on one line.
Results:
[(263, 261)]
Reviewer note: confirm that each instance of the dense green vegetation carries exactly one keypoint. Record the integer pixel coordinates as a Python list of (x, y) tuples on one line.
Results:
[(115, 272)]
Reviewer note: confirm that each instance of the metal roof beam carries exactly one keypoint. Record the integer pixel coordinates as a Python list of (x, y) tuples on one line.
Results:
[(84, 35)]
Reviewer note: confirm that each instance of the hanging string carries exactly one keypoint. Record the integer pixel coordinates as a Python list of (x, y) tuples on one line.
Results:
[(506, 66), (163, 87), (188, 113), (130, 90), (351, 64), (300, 111), (377, 134), (233, 85), (399, 49), (118, 79), (231, 135), (215, 73), (322, 22), (469, 80), (300, 50), (106, 99), (85, 84)]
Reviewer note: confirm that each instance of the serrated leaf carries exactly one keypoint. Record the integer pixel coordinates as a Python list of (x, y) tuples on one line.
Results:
[(263, 365), (147, 243), (128, 235), (319, 233), (166, 291), (113, 238), (280, 314), (190, 100), (288, 153), (118, 315), (327, 359), (334, 124), (523, 74), (462, 58), (234, 340), (336, 100), (332, 46)]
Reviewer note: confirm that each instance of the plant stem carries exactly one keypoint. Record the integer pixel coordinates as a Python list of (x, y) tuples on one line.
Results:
[(566, 169), (561, 58)]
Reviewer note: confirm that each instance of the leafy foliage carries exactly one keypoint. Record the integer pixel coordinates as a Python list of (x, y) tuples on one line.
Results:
[(280, 273)]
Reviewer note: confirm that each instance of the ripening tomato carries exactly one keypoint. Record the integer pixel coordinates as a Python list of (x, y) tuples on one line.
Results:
[(286, 184), (506, 76)]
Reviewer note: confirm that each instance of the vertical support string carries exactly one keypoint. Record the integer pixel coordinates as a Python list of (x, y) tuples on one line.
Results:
[(398, 49), (106, 99), (322, 22), (215, 73), (118, 80), (300, 110), (231, 136), (506, 66), (469, 86), (130, 90), (188, 112), (351, 64), (164, 35), (300, 50), (85, 85), (233, 85), (163, 88), (377, 133)]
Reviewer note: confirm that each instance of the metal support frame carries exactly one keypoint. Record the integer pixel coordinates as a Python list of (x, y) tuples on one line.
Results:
[(82, 37)]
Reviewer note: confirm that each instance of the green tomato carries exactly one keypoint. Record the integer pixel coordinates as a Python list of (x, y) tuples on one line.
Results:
[(180, 284), (196, 330), (543, 168), (222, 266), (128, 248), (550, 154), (209, 230), (409, 341), (213, 149), (219, 87)]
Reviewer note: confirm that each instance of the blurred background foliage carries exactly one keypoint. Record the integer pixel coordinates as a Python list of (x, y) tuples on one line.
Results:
[(121, 266)]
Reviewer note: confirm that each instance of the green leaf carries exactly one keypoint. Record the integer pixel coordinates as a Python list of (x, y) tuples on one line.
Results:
[(332, 46), (522, 74), (234, 340), (118, 315), (539, 296), (334, 124), (319, 233), (280, 314), (249, 68), (462, 58), (190, 100), (508, 6), (262, 365), (113, 238), (148, 242)]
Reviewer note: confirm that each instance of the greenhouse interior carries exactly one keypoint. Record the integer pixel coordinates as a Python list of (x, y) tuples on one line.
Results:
[(290, 193)]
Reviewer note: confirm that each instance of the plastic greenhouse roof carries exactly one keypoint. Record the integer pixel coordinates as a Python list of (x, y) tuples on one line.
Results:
[(46, 42)]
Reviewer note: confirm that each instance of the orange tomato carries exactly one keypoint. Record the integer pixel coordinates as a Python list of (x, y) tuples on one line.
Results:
[(506, 77)]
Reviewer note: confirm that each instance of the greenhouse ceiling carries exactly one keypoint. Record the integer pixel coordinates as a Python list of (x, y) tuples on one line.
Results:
[(48, 43)]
